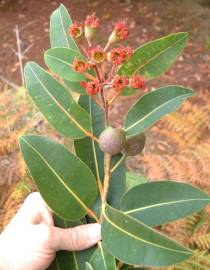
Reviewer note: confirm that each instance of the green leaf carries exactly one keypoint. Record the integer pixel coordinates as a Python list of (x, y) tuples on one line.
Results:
[(133, 242), (76, 87), (133, 180), (55, 102), (64, 260), (102, 259), (59, 60), (128, 91), (88, 266), (117, 182), (154, 58), (66, 183), (60, 22), (93, 156), (128, 267), (74, 260), (59, 37), (160, 202), (152, 106)]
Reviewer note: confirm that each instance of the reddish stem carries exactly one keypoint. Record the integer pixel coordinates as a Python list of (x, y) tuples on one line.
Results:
[(111, 73), (98, 102)]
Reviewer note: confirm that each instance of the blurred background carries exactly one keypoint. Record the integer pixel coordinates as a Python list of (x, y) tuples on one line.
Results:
[(178, 147)]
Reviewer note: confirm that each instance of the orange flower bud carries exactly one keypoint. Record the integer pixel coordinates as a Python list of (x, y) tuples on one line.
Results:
[(76, 30), (79, 66)]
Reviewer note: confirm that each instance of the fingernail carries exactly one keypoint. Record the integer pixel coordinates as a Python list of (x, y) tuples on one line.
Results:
[(94, 231)]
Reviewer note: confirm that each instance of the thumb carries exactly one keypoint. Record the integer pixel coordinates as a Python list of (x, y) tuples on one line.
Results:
[(78, 238)]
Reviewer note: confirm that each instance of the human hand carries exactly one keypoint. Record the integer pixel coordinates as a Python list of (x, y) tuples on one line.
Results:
[(31, 240)]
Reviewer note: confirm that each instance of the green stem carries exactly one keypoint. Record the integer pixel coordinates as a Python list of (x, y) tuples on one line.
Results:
[(117, 163)]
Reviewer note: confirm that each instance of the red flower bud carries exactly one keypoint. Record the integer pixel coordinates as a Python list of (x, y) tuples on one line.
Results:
[(75, 30), (92, 21), (128, 52), (91, 24), (118, 55), (120, 32), (79, 66), (137, 82), (120, 82), (97, 54), (92, 88)]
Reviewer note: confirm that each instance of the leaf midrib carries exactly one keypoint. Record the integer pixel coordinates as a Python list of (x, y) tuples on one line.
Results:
[(161, 204), (58, 176), (59, 105), (152, 112), (93, 143), (157, 55), (67, 41), (64, 29), (58, 59), (140, 239), (102, 255)]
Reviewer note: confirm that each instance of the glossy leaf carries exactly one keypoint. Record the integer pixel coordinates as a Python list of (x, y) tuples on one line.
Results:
[(73, 260), (59, 60), (102, 259), (93, 156), (55, 102), (66, 183), (88, 266), (133, 242), (60, 22), (64, 260), (75, 87), (152, 106), (117, 186), (59, 38), (154, 58), (167, 201), (133, 180)]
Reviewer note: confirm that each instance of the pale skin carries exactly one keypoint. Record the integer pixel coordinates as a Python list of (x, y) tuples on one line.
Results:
[(31, 240)]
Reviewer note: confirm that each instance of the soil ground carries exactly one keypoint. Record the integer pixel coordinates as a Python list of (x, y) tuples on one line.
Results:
[(148, 20)]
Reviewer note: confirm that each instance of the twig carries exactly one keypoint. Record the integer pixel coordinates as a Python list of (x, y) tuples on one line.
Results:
[(111, 72), (12, 49), (13, 85), (114, 97), (107, 163), (27, 49), (93, 215), (26, 25), (19, 53)]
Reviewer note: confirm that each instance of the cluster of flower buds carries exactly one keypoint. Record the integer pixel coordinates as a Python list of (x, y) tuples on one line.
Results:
[(97, 55)]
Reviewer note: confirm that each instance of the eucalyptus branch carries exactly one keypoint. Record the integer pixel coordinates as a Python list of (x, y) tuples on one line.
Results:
[(98, 103), (107, 175)]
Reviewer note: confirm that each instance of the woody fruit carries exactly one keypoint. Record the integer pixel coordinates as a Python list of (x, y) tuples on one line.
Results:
[(112, 140), (135, 145)]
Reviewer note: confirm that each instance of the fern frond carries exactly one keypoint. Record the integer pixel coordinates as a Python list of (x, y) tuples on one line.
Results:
[(17, 194), (199, 261)]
